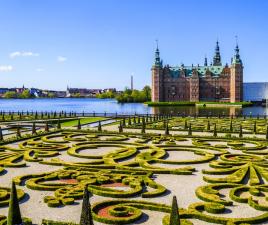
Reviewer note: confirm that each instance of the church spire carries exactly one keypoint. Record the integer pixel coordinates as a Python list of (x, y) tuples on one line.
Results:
[(157, 61), (217, 56)]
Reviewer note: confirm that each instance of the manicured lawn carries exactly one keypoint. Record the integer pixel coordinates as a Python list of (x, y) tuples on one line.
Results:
[(83, 121)]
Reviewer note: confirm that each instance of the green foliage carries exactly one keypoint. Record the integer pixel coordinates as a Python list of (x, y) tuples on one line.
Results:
[(14, 216), (108, 94), (12, 94), (86, 216), (134, 95), (174, 216), (78, 124)]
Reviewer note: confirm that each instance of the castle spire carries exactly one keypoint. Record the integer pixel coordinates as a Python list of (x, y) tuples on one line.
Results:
[(217, 56), (206, 61), (157, 61), (236, 58)]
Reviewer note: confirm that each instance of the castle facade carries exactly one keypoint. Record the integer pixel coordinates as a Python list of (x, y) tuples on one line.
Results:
[(214, 82)]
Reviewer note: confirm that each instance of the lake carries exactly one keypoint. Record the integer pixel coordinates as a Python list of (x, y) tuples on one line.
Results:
[(91, 105)]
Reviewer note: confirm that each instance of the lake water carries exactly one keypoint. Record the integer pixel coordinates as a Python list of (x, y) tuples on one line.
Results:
[(91, 105)]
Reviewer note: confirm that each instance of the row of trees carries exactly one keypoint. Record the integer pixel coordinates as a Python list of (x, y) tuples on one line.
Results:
[(129, 95), (13, 94)]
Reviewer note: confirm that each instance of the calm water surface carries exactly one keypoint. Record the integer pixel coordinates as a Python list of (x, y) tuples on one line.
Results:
[(111, 106)]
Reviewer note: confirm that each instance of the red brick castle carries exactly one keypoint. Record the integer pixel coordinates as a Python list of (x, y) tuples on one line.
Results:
[(213, 82)]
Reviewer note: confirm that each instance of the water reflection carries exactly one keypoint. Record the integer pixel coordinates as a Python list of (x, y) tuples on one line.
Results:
[(192, 110)]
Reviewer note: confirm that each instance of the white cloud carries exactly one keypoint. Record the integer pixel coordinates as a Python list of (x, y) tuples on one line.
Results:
[(23, 54), (5, 68), (61, 59)]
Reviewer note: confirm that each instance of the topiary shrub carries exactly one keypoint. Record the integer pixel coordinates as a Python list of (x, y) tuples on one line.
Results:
[(14, 216)]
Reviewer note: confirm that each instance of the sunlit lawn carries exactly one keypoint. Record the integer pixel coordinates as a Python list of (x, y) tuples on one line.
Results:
[(82, 121)]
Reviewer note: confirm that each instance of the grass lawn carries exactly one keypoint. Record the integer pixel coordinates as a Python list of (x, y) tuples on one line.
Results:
[(82, 120)]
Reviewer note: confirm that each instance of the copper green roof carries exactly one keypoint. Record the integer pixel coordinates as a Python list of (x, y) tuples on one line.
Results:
[(176, 71)]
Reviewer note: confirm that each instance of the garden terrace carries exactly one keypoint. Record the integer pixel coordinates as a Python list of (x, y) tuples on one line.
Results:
[(132, 176)]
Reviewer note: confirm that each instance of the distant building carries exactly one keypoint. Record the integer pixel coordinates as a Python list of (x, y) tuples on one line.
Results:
[(82, 92), (109, 89), (3, 91), (36, 92), (214, 82), (255, 91)]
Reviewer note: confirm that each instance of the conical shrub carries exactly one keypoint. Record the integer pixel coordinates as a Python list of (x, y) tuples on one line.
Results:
[(255, 127), (33, 128), (208, 126), (240, 131), (99, 127), (190, 130), (58, 125), (215, 130), (18, 133), (120, 128), (14, 216), (79, 125), (46, 127), (86, 215), (167, 129), (143, 128), (174, 215), (1, 135)]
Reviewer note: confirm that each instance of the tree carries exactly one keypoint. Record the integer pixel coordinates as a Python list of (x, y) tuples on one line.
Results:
[(266, 132), (25, 94), (18, 132), (255, 127), (86, 214), (124, 122), (185, 124), (166, 130), (190, 129), (1, 135), (59, 124), (147, 92), (231, 126), (174, 215), (215, 130), (46, 127), (10, 94), (79, 125), (208, 126), (120, 128), (14, 216), (99, 127), (240, 131), (143, 126), (33, 128), (129, 121)]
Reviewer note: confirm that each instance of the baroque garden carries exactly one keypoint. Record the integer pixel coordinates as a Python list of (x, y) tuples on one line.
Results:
[(132, 167)]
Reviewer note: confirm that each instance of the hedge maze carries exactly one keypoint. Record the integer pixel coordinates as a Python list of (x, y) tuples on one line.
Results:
[(125, 172), (226, 125)]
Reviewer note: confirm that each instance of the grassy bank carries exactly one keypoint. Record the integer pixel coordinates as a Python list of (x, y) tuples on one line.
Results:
[(82, 121)]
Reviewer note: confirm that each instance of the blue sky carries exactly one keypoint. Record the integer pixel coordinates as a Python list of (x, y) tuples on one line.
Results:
[(100, 43)]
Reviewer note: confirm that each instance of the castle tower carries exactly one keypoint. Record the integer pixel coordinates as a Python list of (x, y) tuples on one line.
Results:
[(236, 80), (157, 78), (217, 56)]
